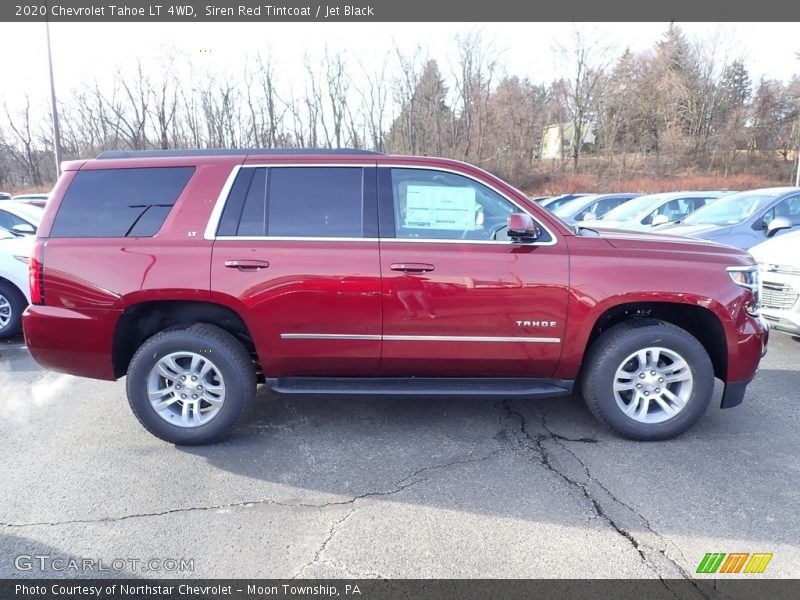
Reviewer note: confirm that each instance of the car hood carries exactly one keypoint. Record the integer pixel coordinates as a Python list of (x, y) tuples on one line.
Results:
[(603, 224), (645, 241), (782, 250), (693, 230)]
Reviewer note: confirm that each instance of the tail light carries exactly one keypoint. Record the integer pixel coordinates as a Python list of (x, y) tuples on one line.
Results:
[(36, 272)]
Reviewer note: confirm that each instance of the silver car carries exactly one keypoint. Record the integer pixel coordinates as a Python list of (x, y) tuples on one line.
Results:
[(590, 207), (744, 219), (652, 210)]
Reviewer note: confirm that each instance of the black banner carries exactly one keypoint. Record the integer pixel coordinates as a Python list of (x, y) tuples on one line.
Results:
[(371, 589), (394, 11)]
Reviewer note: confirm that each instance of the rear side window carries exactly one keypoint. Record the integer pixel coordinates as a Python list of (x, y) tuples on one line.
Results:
[(314, 202), (119, 202)]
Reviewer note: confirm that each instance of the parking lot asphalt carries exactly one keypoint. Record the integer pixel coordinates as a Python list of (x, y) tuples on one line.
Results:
[(373, 487)]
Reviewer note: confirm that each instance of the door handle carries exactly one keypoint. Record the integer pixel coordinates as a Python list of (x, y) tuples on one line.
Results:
[(411, 267), (246, 264)]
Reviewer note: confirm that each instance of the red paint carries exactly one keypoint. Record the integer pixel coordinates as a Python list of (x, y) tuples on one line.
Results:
[(356, 288)]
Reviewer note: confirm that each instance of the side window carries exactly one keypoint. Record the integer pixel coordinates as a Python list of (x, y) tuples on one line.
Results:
[(295, 202), (315, 201), (689, 205), (600, 208), (254, 214), (788, 209), (119, 202), (5, 220), (432, 204)]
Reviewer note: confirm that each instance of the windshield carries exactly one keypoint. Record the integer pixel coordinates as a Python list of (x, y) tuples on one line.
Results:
[(730, 210), (631, 209), (32, 214), (559, 201), (572, 207)]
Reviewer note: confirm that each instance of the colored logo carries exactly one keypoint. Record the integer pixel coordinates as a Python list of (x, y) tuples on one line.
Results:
[(734, 562)]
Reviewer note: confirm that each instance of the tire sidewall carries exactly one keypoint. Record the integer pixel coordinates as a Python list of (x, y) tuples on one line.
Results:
[(236, 391), (683, 344), (18, 303)]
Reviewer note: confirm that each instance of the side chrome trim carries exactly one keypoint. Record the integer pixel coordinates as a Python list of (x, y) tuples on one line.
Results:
[(420, 338), (261, 238), (553, 239), (469, 338), (219, 204), (216, 212), (328, 336)]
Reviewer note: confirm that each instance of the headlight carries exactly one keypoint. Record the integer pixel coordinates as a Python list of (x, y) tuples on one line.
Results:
[(747, 277)]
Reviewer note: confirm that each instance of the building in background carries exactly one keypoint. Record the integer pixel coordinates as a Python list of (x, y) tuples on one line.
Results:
[(558, 140)]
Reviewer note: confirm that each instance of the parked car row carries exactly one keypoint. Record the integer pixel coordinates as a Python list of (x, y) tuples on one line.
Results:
[(19, 223), (38, 199), (765, 221), (740, 219)]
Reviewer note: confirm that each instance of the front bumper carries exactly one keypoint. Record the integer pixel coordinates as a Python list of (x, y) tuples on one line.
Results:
[(752, 348), (780, 301)]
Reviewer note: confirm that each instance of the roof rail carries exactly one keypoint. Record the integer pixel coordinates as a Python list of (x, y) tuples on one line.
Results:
[(231, 152)]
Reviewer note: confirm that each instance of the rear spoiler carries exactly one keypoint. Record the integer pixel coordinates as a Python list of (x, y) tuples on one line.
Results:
[(72, 165)]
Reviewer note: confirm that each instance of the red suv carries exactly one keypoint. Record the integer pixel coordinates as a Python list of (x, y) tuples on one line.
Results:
[(199, 274)]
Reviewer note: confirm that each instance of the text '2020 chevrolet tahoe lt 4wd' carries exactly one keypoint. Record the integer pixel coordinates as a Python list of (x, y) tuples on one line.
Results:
[(199, 274)]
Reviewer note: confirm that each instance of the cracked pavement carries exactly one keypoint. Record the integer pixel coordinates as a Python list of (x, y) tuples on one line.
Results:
[(373, 487)]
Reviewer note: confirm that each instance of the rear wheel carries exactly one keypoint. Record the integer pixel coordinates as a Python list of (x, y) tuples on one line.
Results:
[(647, 380), (191, 386), (12, 304)]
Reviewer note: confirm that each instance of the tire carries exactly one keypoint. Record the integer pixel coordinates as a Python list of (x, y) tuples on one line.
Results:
[(187, 353), (12, 304), (615, 359)]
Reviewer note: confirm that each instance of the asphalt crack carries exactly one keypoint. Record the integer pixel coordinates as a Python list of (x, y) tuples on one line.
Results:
[(558, 439), (325, 542), (402, 484), (536, 442)]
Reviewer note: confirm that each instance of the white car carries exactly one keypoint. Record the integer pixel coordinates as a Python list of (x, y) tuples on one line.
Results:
[(20, 218), (649, 211), (15, 252), (779, 261)]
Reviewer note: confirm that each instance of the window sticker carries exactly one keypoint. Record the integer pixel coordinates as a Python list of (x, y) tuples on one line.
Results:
[(441, 207)]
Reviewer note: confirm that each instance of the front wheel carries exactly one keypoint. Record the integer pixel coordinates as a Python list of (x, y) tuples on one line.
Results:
[(647, 380), (191, 386)]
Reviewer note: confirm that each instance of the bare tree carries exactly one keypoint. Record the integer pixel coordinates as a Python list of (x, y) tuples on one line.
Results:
[(474, 81), (25, 152), (587, 60), (374, 96), (164, 95)]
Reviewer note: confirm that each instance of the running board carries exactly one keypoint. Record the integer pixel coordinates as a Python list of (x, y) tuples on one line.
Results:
[(420, 386)]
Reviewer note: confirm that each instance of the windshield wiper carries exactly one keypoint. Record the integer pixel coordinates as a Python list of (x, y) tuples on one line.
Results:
[(579, 228)]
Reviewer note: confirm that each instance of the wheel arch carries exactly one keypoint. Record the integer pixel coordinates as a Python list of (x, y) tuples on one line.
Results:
[(16, 287), (142, 320), (701, 322)]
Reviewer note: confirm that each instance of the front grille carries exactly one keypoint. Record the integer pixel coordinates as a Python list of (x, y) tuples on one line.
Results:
[(777, 296)]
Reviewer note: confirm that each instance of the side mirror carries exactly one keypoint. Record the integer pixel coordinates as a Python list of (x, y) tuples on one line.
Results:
[(23, 229), (659, 220), (5, 234), (777, 224), (522, 227)]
